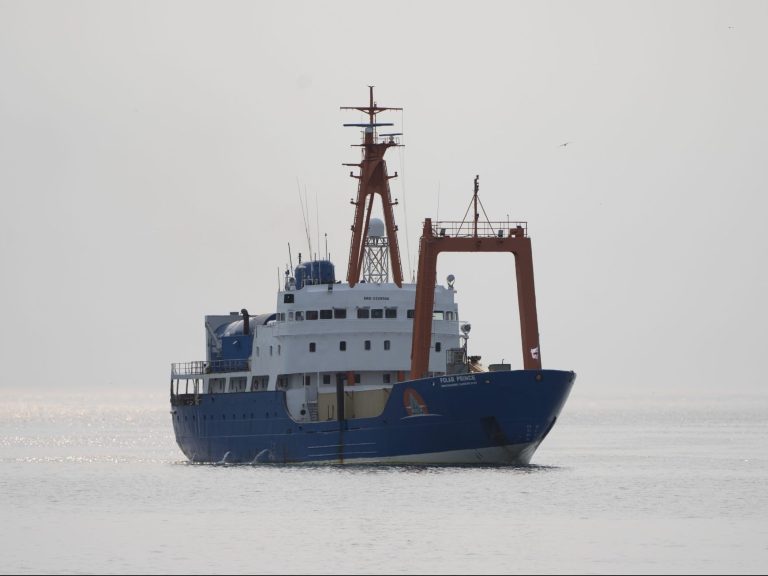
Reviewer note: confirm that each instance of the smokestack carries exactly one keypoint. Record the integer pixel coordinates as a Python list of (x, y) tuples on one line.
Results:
[(246, 322)]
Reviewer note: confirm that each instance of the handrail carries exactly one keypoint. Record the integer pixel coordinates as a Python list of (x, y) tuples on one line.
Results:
[(200, 367), (485, 229)]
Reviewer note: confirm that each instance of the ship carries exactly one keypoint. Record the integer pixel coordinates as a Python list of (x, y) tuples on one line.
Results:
[(370, 370)]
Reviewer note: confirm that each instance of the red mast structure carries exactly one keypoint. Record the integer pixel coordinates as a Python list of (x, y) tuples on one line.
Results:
[(373, 179), (479, 236)]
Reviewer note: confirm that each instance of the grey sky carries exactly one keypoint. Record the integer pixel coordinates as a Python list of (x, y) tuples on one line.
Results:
[(150, 151)]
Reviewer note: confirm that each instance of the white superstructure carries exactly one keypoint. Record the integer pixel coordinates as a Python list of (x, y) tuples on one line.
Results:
[(322, 334)]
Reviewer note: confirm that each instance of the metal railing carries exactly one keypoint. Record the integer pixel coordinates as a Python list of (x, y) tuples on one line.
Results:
[(200, 367), (384, 139), (485, 229)]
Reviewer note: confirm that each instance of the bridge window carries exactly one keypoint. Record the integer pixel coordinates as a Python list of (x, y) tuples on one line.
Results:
[(390, 312), (377, 313), (312, 315), (449, 315), (386, 344), (339, 313), (326, 314), (438, 315), (363, 312)]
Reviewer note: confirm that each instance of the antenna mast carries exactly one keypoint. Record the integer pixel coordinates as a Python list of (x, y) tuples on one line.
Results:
[(373, 179)]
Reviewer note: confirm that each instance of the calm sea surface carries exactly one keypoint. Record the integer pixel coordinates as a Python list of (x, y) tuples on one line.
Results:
[(95, 484)]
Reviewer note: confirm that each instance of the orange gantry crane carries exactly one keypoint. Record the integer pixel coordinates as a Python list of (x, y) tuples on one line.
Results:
[(473, 237)]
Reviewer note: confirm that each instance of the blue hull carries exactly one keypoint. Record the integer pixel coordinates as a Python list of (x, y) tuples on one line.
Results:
[(488, 417)]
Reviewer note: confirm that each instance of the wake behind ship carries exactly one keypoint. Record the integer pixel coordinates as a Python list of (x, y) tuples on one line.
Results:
[(368, 370)]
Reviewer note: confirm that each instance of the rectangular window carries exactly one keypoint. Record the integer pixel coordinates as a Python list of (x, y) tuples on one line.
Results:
[(237, 384), (279, 349), (377, 313), (363, 313), (311, 346), (299, 316), (326, 314), (216, 385), (367, 345), (387, 378), (312, 315), (438, 346), (339, 313), (307, 380), (449, 315), (259, 382), (270, 350), (290, 316), (288, 298), (357, 378), (326, 378), (437, 315), (409, 314), (390, 313), (343, 346), (386, 344)]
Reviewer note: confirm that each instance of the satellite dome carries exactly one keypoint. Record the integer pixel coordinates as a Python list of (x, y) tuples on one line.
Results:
[(376, 228)]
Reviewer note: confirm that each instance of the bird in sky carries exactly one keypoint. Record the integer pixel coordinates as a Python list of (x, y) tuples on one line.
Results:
[(564, 144)]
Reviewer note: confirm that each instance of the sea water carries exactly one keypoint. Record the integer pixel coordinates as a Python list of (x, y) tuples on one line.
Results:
[(94, 483)]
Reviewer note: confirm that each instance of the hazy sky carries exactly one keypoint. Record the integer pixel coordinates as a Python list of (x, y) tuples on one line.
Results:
[(150, 152)]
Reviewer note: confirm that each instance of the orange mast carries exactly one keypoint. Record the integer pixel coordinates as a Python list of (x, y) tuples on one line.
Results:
[(373, 179), (478, 237)]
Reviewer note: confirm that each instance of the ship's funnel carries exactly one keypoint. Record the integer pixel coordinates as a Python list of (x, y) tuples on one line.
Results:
[(246, 321)]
